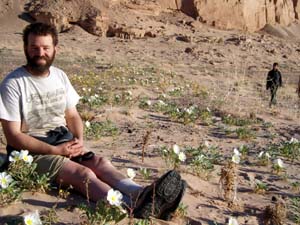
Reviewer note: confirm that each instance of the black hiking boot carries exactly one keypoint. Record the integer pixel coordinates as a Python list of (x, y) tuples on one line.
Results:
[(169, 211), (159, 196)]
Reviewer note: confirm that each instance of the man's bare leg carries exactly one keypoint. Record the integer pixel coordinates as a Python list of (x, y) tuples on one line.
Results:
[(109, 174), (78, 175), (104, 170)]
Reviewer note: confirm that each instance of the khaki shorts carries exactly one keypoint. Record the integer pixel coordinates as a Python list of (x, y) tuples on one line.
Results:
[(50, 164)]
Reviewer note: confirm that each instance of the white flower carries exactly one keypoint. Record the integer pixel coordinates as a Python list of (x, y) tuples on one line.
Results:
[(33, 219), (14, 156), (200, 157), (233, 221), (84, 89), (149, 102), (5, 180), (257, 181), (161, 102), (236, 152), (114, 197), (268, 155), (129, 92), (181, 156), (25, 157), (87, 124), (206, 143), (293, 140), (208, 110), (176, 149), (236, 158), (279, 163), (131, 173), (189, 111), (261, 154)]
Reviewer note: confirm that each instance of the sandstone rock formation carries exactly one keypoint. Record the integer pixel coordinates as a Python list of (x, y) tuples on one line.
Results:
[(243, 14), (88, 14), (121, 17)]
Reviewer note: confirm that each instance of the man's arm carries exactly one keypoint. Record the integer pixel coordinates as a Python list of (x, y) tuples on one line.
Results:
[(280, 79), (74, 123), (19, 140)]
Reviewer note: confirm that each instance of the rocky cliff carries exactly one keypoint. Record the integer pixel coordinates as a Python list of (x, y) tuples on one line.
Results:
[(121, 17), (243, 14)]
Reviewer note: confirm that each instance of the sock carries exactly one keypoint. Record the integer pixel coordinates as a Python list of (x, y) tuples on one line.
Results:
[(128, 187)]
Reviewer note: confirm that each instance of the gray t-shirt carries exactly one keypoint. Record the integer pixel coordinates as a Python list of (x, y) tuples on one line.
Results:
[(38, 102)]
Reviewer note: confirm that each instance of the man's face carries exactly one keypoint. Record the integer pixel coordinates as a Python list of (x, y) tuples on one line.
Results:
[(40, 53)]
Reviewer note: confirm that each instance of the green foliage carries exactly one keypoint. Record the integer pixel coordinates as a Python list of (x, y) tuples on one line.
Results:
[(244, 133), (176, 92), (230, 120), (181, 210), (27, 178), (201, 166), (210, 152), (146, 173), (50, 216), (288, 149), (295, 209), (102, 214), (263, 159), (201, 160), (122, 98), (260, 187), (94, 101), (24, 178), (144, 103), (171, 158), (295, 186), (142, 222), (185, 115), (100, 129), (244, 150), (10, 194), (206, 116)]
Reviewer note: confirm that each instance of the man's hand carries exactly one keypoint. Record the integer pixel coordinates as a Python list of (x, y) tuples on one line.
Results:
[(76, 148), (71, 148)]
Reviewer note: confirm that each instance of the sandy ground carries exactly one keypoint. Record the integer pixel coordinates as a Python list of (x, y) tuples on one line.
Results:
[(229, 65)]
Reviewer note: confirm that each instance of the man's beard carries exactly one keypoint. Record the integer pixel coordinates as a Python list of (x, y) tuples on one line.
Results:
[(35, 66)]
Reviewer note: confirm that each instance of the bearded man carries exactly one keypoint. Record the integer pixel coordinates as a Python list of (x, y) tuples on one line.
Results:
[(38, 113)]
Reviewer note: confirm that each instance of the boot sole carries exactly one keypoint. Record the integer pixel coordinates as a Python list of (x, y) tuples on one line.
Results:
[(168, 213), (158, 197)]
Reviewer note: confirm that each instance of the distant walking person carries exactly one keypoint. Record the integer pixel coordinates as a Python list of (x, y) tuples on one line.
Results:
[(274, 81)]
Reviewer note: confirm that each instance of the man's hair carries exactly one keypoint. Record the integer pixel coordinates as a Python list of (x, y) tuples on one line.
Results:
[(40, 29), (275, 64)]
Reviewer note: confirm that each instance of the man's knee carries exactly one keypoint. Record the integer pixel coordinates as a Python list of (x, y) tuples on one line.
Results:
[(79, 172), (103, 162), (86, 174)]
